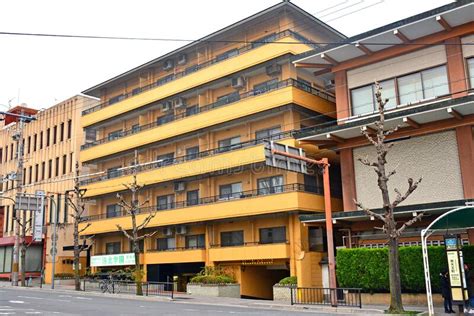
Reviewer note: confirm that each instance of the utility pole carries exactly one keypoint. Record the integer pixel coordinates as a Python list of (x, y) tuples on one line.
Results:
[(18, 137)]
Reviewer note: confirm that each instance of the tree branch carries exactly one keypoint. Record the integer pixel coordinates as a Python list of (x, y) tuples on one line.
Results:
[(81, 230), (147, 235), (124, 232), (146, 221), (366, 161), (411, 187), (369, 212), (409, 223)]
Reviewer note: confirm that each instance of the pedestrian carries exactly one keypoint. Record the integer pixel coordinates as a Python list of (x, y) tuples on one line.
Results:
[(446, 292), (469, 275)]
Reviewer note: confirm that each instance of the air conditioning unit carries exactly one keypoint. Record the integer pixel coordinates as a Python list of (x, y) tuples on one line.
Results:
[(16, 135), (167, 231), (168, 64), (329, 84), (179, 103), (166, 106), (273, 70), (238, 82), (179, 186), (180, 230), (11, 175), (182, 59)]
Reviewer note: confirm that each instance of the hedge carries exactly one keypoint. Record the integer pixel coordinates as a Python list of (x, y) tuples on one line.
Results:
[(368, 268)]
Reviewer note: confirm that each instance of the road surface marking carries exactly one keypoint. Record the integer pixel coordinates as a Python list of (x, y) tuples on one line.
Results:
[(43, 298), (65, 296), (83, 298), (17, 302), (33, 313)]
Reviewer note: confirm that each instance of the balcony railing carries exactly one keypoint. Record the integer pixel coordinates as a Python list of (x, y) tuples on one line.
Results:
[(173, 161), (177, 249), (237, 97), (194, 68), (295, 187), (250, 243)]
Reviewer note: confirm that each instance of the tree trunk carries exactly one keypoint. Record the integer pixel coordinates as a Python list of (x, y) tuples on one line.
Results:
[(138, 271), (396, 306), (77, 280), (23, 250)]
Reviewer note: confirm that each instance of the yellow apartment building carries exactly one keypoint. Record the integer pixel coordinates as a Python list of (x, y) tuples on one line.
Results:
[(51, 143), (197, 118)]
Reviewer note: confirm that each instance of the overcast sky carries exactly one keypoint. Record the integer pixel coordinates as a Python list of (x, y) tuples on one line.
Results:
[(43, 71)]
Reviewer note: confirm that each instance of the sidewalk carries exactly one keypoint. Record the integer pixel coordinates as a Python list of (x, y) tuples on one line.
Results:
[(182, 298)]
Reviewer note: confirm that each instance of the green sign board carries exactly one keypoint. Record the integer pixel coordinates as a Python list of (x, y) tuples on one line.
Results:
[(122, 259)]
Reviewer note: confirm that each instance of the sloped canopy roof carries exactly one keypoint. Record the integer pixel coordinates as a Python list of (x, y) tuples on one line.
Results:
[(460, 218)]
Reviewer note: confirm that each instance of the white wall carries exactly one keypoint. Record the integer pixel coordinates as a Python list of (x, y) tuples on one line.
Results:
[(434, 157), (404, 64)]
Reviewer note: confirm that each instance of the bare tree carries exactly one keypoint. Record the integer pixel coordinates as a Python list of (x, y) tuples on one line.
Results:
[(132, 209), (25, 225), (78, 207), (391, 228)]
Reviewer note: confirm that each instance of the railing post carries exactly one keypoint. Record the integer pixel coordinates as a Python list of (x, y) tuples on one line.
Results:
[(146, 288), (113, 287), (291, 294), (84, 285), (360, 298), (172, 290)]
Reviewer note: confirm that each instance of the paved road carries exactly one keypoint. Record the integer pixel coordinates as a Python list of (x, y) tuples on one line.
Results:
[(35, 302)]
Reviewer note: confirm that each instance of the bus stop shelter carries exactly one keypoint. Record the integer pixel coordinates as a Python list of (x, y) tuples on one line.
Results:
[(461, 218)]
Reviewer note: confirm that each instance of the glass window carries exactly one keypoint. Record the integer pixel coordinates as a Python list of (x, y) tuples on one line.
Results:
[(264, 40), (191, 110), (470, 66), (112, 248), (192, 197), (267, 133), (316, 239), (113, 210), (229, 143), (34, 258), (192, 152), (113, 172), (272, 235), (410, 88), (141, 244), (265, 86), (227, 98), (116, 99), (228, 54), (135, 128), (362, 100), (388, 92), (2, 259), (235, 238), (8, 259), (435, 82), (166, 244), (195, 241), (165, 202), (230, 191), (114, 135), (164, 119), (164, 80), (166, 159), (270, 185)]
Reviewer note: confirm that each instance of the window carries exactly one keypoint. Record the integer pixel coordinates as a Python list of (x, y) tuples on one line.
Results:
[(64, 164), (270, 185), (267, 133), (7, 213), (195, 242), (164, 119), (41, 140), (192, 197), (163, 244), (50, 168), (227, 54), (166, 159), (1, 155), (230, 191), (43, 170), (56, 173), (11, 150), (164, 80), (113, 210), (272, 235), (113, 172), (28, 146), (71, 162), (24, 175), (90, 135), (165, 202), (316, 239), (61, 132), (229, 143), (69, 129), (36, 172), (363, 98), (35, 141), (263, 40), (114, 135), (135, 128), (234, 238), (6, 153), (48, 136), (227, 98), (265, 86), (304, 84), (112, 248), (192, 152), (426, 84), (55, 134), (30, 174), (191, 69), (470, 69), (191, 110), (141, 244), (116, 99)]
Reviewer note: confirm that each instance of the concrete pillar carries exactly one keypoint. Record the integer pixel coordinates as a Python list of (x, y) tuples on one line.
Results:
[(348, 179), (466, 159), (456, 73), (342, 95)]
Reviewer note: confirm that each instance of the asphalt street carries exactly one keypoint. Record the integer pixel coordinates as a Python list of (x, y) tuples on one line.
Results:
[(37, 302)]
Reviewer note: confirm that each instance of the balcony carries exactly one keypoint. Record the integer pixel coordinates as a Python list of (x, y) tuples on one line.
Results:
[(249, 251), (252, 102), (176, 255), (219, 159), (248, 56), (286, 198)]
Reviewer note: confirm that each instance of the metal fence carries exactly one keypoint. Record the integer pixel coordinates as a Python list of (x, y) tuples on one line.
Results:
[(165, 289), (350, 297)]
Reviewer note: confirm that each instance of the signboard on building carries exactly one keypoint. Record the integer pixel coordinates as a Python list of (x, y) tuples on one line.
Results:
[(273, 159), (28, 202), (122, 259), (39, 218), (456, 268)]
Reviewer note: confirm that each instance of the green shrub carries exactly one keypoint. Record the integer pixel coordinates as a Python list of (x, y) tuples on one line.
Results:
[(213, 275), (368, 268), (291, 280)]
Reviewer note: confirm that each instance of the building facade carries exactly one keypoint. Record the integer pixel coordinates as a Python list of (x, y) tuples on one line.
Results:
[(51, 143), (196, 118), (425, 66)]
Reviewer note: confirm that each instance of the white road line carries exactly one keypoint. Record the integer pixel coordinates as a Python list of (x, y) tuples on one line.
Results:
[(46, 299), (65, 295), (8, 313), (17, 302), (33, 313), (83, 298)]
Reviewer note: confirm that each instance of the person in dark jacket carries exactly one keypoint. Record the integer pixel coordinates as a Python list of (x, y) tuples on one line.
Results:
[(446, 292), (469, 275)]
